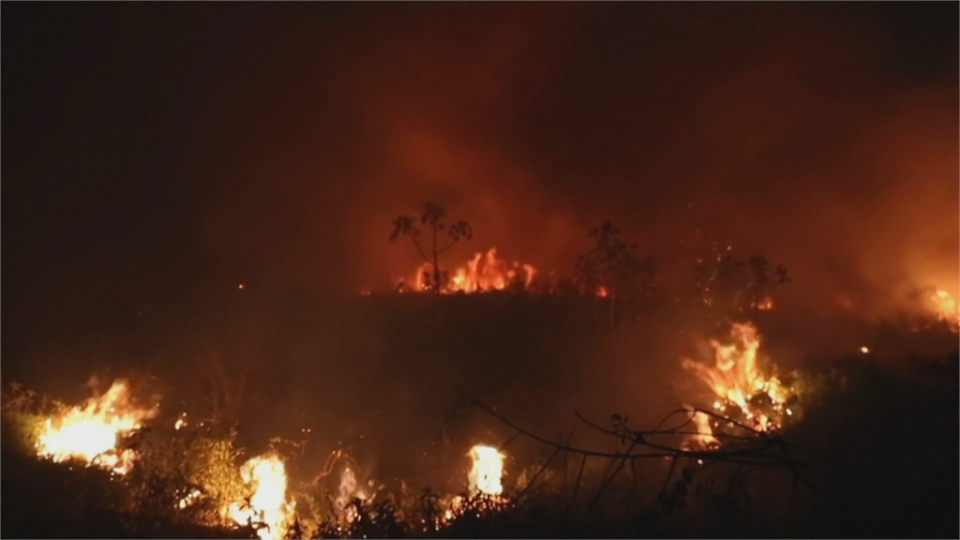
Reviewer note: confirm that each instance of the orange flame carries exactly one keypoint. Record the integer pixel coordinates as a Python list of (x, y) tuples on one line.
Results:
[(485, 272), (91, 433), (946, 308), (485, 478), (740, 385)]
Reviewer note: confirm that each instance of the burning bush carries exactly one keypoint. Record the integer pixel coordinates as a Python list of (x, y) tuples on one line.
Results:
[(744, 390), (268, 509), (91, 433)]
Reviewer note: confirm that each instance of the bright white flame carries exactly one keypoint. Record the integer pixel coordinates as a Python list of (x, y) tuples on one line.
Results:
[(487, 471), (188, 499), (269, 504), (91, 433)]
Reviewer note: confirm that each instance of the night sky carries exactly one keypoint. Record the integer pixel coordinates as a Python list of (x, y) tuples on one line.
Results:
[(156, 155)]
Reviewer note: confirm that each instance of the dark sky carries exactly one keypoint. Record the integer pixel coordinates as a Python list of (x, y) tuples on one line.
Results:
[(157, 154)]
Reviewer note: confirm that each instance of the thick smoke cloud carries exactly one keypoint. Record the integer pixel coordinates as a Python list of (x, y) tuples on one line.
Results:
[(156, 158), (781, 129)]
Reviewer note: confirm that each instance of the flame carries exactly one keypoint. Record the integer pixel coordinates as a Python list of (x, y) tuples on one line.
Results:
[(189, 499), (705, 430), (487, 472), (740, 386), (946, 308), (269, 504), (485, 478), (90, 433), (485, 272), (766, 304), (349, 490), (602, 292)]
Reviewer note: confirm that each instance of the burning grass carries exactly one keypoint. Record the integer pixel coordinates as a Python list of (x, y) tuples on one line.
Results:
[(484, 272), (91, 432), (743, 389), (659, 480), (269, 510)]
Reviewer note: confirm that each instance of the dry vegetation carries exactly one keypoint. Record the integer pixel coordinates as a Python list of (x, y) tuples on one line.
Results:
[(873, 454)]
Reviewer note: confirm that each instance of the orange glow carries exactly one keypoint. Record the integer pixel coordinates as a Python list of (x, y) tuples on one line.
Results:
[(602, 292), (945, 307), (91, 433), (240, 286)]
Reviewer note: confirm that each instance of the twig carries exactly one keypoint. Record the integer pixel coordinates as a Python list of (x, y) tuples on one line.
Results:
[(606, 482), (666, 481), (576, 487), (537, 475)]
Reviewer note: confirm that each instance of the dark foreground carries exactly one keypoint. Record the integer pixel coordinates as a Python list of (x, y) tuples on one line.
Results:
[(876, 452)]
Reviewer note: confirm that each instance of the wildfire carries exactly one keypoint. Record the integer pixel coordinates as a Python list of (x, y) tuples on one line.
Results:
[(268, 505), (485, 478), (91, 432), (487, 472), (946, 308), (739, 384), (485, 272), (350, 488)]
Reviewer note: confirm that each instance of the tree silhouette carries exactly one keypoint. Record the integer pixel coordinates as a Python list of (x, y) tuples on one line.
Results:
[(614, 265), (732, 287), (433, 218)]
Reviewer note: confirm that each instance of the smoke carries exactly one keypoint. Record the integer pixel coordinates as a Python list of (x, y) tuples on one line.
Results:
[(784, 130), (288, 139)]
